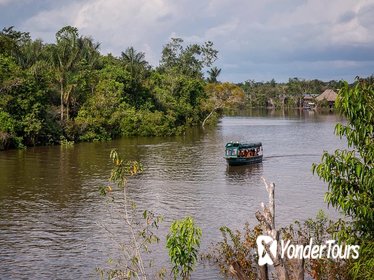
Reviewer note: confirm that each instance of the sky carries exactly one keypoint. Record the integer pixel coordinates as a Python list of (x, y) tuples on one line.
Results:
[(257, 39)]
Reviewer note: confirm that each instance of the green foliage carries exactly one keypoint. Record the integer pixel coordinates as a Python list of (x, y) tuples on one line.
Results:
[(189, 60), (11, 41), (350, 173), (236, 252), (146, 123), (363, 266), (98, 118), (24, 98), (68, 89), (66, 143), (213, 74), (7, 124), (69, 56), (8, 136), (259, 94), (183, 242), (134, 62), (283, 95), (179, 97)]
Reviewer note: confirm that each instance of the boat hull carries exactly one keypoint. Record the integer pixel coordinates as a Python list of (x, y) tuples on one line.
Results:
[(236, 161)]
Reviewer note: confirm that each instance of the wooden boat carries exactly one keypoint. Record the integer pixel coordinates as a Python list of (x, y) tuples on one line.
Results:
[(243, 153)]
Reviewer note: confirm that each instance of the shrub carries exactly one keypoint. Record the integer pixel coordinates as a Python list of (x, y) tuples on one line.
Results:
[(183, 242)]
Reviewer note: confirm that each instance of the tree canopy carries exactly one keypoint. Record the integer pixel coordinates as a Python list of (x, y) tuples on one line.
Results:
[(350, 173), (189, 60), (68, 90)]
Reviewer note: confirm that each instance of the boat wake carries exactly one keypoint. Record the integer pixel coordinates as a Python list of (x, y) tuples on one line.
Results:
[(293, 155)]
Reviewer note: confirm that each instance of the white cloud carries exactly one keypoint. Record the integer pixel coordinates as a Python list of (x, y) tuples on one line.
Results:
[(246, 33), (223, 29), (4, 2), (119, 24), (46, 23)]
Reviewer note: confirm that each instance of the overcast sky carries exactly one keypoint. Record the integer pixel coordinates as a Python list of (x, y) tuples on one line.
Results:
[(256, 39)]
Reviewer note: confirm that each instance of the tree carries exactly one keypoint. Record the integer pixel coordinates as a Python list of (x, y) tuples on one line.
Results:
[(89, 51), (10, 77), (30, 53), (70, 54), (98, 118), (85, 77), (350, 173), (65, 56), (189, 60), (221, 96), (213, 74), (296, 88), (7, 131), (135, 63), (11, 41), (53, 90)]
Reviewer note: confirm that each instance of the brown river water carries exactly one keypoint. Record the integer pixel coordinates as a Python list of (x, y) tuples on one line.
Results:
[(52, 217)]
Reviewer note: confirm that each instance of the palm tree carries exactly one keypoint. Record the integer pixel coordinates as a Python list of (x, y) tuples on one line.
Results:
[(89, 51), (135, 63), (89, 55), (68, 55), (65, 57), (213, 74)]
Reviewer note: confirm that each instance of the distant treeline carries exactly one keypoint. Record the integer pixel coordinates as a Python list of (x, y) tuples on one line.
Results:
[(69, 91), (290, 94)]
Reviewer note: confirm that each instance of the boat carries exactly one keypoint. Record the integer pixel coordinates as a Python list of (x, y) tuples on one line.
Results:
[(243, 153)]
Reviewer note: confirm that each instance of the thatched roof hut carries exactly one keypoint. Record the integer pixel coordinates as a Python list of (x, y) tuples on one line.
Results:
[(328, 94)]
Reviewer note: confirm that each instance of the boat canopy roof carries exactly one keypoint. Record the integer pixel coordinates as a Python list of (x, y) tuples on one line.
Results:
[(243, 145)]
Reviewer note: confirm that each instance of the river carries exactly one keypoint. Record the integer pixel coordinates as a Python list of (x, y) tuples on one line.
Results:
[(52, 217)]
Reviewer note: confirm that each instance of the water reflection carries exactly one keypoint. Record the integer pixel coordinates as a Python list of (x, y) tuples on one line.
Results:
[(236, 174)]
